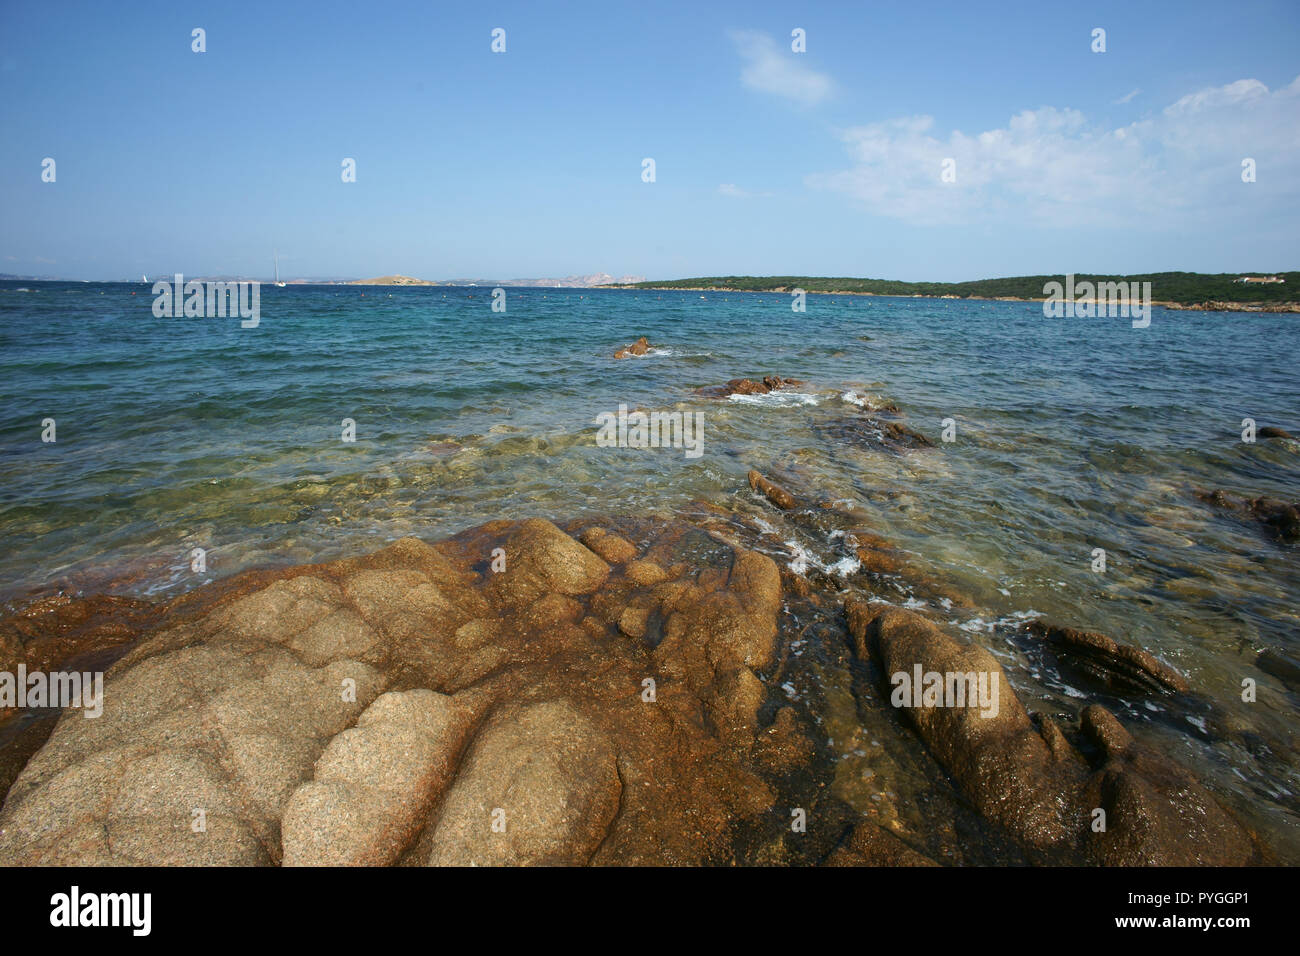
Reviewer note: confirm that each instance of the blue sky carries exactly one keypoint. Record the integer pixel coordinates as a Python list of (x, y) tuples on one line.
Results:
[(528, 163)]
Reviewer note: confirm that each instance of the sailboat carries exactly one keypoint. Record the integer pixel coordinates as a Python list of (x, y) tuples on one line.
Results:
[(144, 278), (278, 283)]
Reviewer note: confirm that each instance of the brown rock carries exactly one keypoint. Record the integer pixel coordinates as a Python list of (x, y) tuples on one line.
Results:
[(746, 386), (374, 783), (1280, 518), (772, 492), (646, 573), (325, 714), (1115, 665), (611, 547), (540, 559), (1157, 813), (871, 845), (998, 758), (640, 347), (540, 787), (1031, 781)]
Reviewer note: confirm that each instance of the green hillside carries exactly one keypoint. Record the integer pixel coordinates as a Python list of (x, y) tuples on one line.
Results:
[(1185, 288)]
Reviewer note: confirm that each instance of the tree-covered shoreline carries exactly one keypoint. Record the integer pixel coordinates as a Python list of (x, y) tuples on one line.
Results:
[(1182, 288)]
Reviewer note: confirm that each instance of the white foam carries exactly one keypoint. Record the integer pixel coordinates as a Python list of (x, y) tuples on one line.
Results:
[(776, 399), (799, 563), (845, 566), (804, 559)]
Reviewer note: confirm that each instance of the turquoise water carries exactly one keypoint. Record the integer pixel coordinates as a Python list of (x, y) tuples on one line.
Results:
[(1072, 434)]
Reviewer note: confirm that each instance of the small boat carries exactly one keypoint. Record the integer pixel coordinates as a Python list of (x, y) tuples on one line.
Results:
[(278, 283)]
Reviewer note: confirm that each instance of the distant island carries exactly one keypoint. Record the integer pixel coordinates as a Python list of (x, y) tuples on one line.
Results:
[(595, 281), (1239, 292), (392, 280)]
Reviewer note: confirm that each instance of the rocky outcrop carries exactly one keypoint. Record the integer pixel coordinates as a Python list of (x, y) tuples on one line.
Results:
[(510, 695), (746, 386), (1116, 666), (1027, 776), (1270, 431), (640, 347), (606, 692)]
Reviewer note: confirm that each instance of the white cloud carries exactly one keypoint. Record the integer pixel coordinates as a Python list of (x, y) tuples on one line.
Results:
[(1051, 166), (770, 69), (1234, 94), (1127, 97)]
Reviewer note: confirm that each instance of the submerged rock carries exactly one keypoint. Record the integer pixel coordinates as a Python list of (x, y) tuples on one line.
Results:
[(1114, 665), (872, 431), (1280, 665), (772, 492), (1280, 519), (1270, 431), (870, 845)]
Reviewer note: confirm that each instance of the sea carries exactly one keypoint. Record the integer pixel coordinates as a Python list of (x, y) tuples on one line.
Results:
[(352, 416)]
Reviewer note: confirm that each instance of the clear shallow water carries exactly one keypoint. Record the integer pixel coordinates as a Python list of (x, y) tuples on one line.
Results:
[(1072, 434)]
